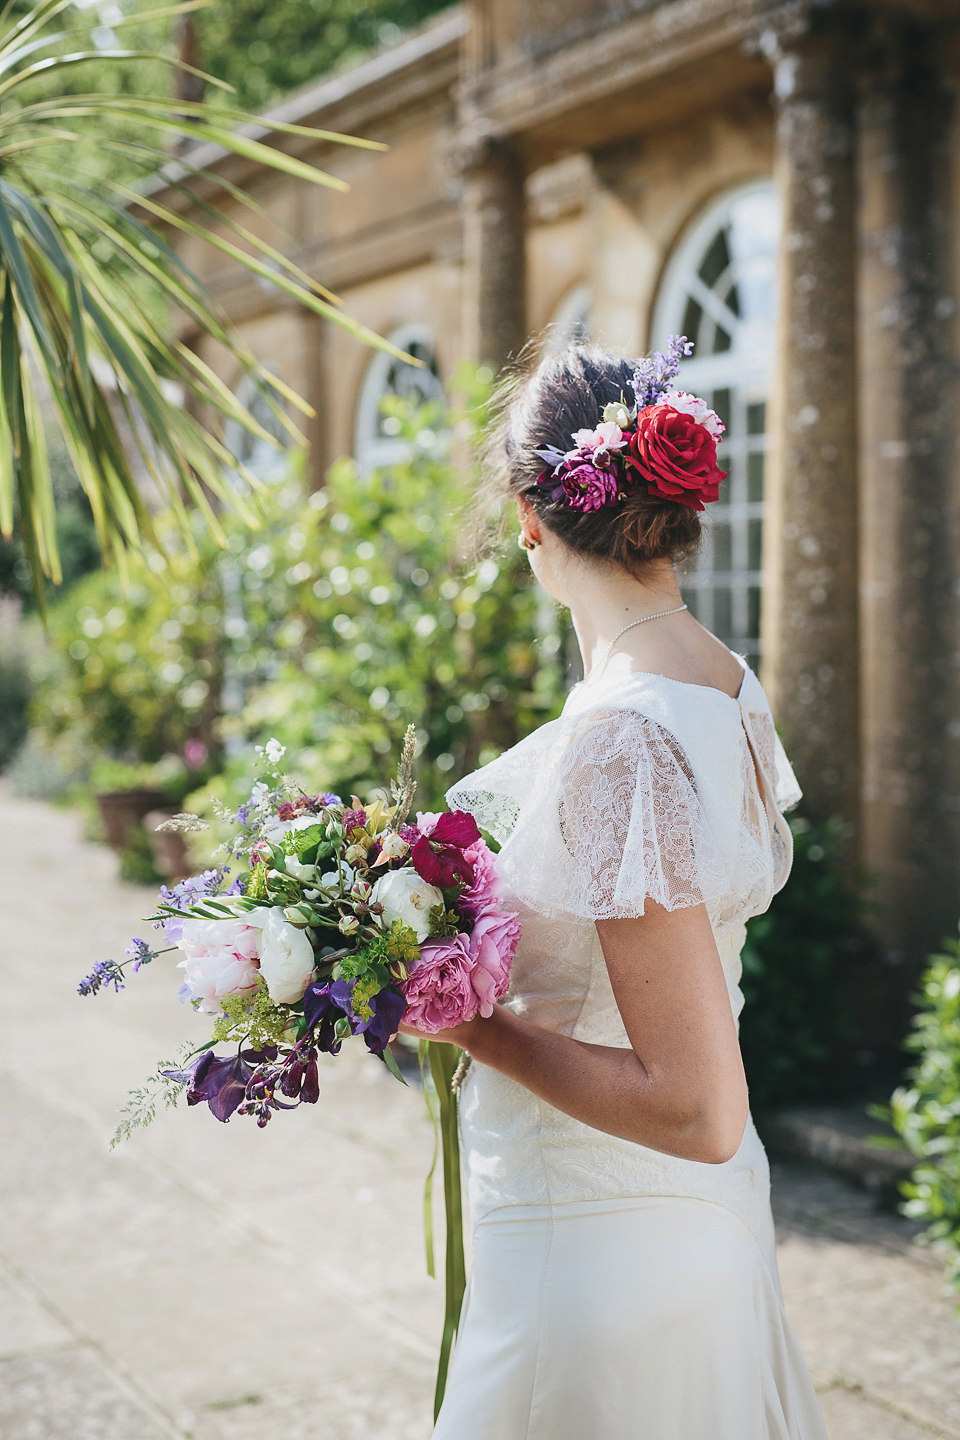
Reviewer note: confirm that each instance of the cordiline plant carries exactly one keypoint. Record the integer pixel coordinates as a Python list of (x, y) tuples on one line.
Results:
[(73, 330)]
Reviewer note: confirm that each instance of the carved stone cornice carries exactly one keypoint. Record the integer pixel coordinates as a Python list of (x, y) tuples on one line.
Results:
[(591, 72)]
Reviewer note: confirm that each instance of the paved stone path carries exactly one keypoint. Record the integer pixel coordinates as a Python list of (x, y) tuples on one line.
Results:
[(221, 1283)]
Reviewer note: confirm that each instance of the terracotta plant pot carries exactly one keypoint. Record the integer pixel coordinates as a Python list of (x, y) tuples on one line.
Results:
[(123, 809), (170, 853)]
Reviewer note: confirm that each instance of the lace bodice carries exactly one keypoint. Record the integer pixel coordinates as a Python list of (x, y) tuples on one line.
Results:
[(643, 788)]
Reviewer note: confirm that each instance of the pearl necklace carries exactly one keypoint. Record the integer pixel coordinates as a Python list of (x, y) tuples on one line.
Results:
[(596, 669)]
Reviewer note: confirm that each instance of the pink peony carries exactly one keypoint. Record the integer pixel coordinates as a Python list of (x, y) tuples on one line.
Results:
[(493, 944), (438, 990), (221, 959)]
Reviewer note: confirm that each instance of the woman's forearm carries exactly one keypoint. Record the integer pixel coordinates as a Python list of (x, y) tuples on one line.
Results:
[(610, 1089)]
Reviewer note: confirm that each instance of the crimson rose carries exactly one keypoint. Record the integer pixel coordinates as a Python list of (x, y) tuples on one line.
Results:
[(675, 456)]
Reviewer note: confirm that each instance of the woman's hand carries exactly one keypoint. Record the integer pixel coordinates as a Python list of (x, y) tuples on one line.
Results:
[(462, 1035)]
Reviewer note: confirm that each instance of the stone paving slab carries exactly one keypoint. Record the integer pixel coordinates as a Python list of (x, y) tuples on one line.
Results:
[(221, 1283)]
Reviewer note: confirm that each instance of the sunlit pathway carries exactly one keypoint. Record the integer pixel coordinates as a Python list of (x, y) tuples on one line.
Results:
[(222, 1283)]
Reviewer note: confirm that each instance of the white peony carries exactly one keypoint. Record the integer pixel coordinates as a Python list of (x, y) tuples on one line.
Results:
[(286, 955), (407, 897), (221, 959)]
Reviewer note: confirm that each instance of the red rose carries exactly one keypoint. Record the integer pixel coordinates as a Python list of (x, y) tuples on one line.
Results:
[(675, 456)]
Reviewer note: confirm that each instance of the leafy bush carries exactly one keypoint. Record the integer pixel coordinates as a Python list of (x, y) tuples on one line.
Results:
[(796, 1031), (383, 624), (926, 1111), (351, 613)]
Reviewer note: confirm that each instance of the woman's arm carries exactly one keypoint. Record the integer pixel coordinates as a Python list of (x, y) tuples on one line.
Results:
[(681, 1087)]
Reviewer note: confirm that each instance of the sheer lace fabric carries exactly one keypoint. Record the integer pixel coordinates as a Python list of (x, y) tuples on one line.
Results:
[(643, 789)]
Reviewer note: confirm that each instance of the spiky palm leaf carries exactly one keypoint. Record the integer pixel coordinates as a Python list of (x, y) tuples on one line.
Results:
[(74, 333)]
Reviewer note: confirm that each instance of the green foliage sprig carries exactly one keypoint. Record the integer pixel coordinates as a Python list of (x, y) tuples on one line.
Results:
[(926, 1111)]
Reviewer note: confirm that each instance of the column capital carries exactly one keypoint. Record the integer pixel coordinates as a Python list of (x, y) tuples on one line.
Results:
[(477, 148)]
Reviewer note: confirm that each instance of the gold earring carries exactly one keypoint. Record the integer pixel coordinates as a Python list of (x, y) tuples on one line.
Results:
[(526, 543)]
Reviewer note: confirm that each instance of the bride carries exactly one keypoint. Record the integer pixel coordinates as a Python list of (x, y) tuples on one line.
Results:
[(624, 1282)]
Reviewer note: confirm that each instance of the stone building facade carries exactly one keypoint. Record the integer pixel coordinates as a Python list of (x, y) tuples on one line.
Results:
[(779, 180)]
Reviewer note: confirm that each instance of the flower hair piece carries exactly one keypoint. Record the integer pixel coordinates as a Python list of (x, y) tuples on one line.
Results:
[(667, 441)]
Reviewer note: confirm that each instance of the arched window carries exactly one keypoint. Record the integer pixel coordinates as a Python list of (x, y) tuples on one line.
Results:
[(719, 289), (375, 441), (264, 460), (570, 321)]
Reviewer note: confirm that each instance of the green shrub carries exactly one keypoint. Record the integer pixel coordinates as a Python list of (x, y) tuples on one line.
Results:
[(382, 622), (926, 1111), (351, 613), (796, 1031)]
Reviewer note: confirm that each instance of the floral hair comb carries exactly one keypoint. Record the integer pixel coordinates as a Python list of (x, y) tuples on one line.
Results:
[(667, 440)]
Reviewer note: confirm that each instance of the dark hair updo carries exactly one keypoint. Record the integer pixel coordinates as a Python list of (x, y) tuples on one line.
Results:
[(566, 392)]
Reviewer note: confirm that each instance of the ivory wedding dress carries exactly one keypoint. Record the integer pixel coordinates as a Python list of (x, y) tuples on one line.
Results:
[(618, 1293)]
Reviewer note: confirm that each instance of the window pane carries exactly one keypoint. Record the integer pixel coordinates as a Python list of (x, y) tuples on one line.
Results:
[(721, 341), (692, 316), (753, 610), (756, 463), (732, 300), (754, 544), (716, 260), (722, 547), (757, 418), (720, 402)]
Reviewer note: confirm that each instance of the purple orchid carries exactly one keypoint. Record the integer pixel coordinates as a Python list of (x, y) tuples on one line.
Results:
[(438, 857)]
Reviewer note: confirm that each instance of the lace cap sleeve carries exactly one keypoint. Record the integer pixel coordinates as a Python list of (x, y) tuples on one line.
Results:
[(616, 821)]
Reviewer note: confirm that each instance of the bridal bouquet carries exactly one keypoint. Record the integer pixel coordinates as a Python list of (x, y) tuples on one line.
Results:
[(342, 921)]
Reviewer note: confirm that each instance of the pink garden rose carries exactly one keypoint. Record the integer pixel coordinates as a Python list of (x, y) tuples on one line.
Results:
[(483, 892), (459, 976), (438, 988), (221, 959), (493, 944)]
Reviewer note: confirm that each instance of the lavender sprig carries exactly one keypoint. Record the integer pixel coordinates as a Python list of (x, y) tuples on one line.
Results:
[(652, 377), (104, 974)]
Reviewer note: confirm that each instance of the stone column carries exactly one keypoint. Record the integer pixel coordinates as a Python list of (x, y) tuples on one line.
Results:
[(811, 619), (494, 244), (910, 509)]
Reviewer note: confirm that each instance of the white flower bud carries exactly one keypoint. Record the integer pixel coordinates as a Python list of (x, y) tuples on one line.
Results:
[(393, 846), (616, 413)]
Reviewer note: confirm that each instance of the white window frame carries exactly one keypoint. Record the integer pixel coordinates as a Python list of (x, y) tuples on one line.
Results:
[(746, 370), (267, 462), (370, 449), (570, 320)]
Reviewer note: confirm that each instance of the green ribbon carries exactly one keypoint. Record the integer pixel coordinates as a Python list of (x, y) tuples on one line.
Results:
[(443, 1060)]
